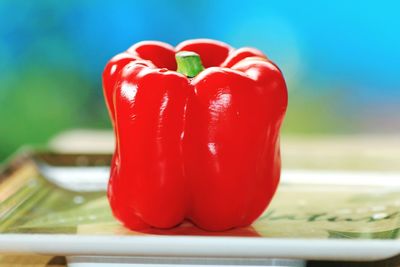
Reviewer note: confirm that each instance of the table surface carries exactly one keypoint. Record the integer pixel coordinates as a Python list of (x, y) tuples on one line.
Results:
[(351, 152)]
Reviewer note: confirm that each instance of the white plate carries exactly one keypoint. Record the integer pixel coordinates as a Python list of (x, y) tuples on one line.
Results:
[(246, 249)]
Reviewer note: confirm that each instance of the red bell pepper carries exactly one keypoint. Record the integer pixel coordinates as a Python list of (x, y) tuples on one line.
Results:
[(203, 148)]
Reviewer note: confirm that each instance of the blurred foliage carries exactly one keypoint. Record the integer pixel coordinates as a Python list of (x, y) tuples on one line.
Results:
[(36, 107), (314, 110)]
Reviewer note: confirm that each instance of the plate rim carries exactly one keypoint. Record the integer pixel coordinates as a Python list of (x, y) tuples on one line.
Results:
[(200, 246)]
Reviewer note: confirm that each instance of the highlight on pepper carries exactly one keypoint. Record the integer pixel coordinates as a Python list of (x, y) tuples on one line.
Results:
[(197, 134)]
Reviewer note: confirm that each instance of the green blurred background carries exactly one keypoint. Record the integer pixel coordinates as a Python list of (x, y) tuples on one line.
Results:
[(340, 59)]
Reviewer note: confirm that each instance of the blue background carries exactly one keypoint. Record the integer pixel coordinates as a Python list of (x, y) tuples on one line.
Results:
[(341, 59)]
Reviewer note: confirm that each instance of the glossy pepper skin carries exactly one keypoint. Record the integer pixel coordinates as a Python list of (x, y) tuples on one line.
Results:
[(204, 149)]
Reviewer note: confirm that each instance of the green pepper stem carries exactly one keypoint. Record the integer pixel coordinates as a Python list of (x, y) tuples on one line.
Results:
[(189, 63)]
